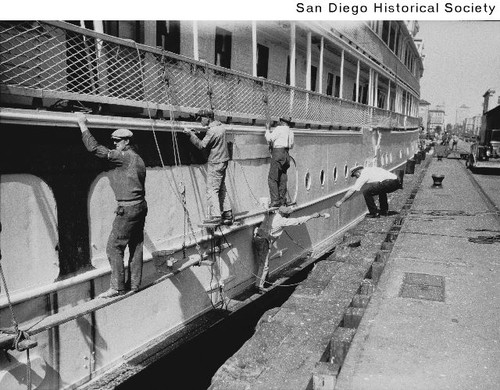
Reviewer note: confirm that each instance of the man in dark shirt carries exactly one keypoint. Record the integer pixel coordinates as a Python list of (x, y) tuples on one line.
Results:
[(127, 176), (219, 208)]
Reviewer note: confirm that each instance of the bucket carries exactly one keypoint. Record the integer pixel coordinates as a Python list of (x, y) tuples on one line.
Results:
[(410, 166)]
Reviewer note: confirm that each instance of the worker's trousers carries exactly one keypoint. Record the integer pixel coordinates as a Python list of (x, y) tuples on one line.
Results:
[(127, 230), (277, 178), (217, 199), (381, 189), (261, 249)]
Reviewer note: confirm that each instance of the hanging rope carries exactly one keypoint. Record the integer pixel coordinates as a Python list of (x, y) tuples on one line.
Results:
[(179, 190), (22, 340), (210, 91)]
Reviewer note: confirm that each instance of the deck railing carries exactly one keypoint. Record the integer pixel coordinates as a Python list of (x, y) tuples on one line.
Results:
[(61, 61)]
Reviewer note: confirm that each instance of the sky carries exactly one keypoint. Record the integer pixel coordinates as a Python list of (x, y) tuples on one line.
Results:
[(462, 61)]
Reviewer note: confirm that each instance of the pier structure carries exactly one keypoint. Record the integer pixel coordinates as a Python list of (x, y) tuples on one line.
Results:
[(406, 301)]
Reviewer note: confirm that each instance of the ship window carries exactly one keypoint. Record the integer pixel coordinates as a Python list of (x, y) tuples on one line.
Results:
[(329, 84), (335, 173), (314, 76), (322, 177), (385, 31), (337, 86), (381, 98), (397, 44), (390, 157), (307, 181), (363, 94), (262, 60), (168, 35), (400, 154), (89, 24), (346, 171), (392, 38), (287, 78), (127, 29), (223, 39)]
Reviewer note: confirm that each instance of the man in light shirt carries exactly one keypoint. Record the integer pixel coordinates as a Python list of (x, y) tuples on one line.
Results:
[(372, 181), (281, 140), (268, 232)]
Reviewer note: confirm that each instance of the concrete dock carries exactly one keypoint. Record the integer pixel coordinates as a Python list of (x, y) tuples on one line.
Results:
[(409, 301), (434, 320)]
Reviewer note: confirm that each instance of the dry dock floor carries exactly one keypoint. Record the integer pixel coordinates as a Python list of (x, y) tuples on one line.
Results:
[(409, 301)]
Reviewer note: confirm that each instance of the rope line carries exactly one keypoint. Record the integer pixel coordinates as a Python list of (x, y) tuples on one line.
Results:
[(20, 334)]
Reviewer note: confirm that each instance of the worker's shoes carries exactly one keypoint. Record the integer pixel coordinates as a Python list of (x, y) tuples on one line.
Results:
[(373, 215), (262, 290), (213, 220), (111, 293)]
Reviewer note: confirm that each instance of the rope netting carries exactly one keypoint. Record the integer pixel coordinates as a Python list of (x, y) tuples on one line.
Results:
[(54, 59)]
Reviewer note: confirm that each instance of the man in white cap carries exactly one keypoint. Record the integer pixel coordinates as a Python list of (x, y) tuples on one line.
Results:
[(127, 175), (280, 141), (268, 232), (372, 181)]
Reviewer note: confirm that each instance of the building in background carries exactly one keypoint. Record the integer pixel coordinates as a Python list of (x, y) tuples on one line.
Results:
[(436, 124), (461, 114), (423, 113)]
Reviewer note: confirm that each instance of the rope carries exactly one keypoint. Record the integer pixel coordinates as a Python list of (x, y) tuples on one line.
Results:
[(245, 176), (210, 91), (180, 194), (20, 334)]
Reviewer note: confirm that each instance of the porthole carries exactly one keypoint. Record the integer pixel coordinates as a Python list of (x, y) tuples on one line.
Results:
[(322, 177), (400, 153), (335, 173), (307, 181), (346, 171)]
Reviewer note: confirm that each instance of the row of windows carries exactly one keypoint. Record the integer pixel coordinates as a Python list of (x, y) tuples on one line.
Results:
[(393, 38), (386, 159), (168, 37)]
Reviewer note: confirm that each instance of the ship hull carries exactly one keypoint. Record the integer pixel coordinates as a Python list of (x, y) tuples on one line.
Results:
[(83, 348), (352, 94)]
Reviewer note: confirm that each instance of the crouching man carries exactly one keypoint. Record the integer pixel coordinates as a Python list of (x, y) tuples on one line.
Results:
[(372, 181)]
